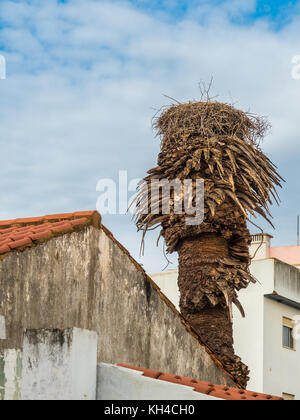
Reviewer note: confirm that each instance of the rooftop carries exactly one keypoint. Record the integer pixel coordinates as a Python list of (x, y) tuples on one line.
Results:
[(20, 234), (206, 388)]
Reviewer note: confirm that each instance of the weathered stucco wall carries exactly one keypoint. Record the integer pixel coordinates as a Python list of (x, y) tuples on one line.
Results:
[(287, 281), (86, 280), (10, 375), (59, 365)]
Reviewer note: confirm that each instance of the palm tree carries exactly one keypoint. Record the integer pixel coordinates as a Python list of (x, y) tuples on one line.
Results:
[(221, 145)]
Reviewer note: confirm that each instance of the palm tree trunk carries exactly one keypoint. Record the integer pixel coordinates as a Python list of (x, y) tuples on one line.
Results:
[(219, 144), (203, 299)]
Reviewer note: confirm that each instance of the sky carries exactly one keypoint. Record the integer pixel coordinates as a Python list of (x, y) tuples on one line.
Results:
[(84, 79)]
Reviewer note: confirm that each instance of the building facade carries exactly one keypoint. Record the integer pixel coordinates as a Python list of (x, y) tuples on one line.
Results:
[(268, 339), (68, 270)]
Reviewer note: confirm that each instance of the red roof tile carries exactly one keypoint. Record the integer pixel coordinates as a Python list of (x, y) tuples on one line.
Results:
[(207, 388), (20, 234)]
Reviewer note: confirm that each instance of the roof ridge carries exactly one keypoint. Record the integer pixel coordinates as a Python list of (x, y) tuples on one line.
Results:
[(20, 234), (21, 222), (218, 391)]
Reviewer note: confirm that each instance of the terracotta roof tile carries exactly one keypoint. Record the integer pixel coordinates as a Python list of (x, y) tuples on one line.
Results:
[(84, 213), (6, 223), (30, 220), (150, 373), (207, 388), (4, 249), (19, 243), (44, 234), (20, 234)]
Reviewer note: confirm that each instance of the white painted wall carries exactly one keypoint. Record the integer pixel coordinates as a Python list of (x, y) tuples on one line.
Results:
[(248, 332), (10, 375), (167, 282), (118, 383), (59, 365), (287, 281), (260, 246), (258, 337), (281, 366)]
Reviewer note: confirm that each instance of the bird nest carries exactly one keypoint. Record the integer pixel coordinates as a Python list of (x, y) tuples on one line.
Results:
[(208, 120)]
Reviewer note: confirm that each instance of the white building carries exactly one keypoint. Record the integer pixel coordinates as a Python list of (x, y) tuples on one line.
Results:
[(267, 339)]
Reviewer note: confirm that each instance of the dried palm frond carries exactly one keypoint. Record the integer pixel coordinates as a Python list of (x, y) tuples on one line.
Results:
[(219, 144)]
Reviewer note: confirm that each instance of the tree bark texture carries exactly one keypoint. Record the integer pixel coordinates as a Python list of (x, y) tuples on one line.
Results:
[(204, 297)]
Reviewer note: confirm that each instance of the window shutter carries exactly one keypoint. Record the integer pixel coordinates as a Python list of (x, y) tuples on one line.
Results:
[(288, 323)]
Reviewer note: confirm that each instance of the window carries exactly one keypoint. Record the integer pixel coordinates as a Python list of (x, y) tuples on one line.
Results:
[(288, 397), (287, 333)]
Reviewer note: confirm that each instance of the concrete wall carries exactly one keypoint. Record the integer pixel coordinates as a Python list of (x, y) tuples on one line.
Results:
[(10, 369), (10, 375), (118, 383), (59, 365), (287, 281), (86, 280)]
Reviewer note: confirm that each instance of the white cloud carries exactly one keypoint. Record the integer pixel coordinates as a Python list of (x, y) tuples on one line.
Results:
[(83, 78)]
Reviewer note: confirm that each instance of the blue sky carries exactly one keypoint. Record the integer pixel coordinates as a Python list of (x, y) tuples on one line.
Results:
[(276, 10), (84, 78)]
